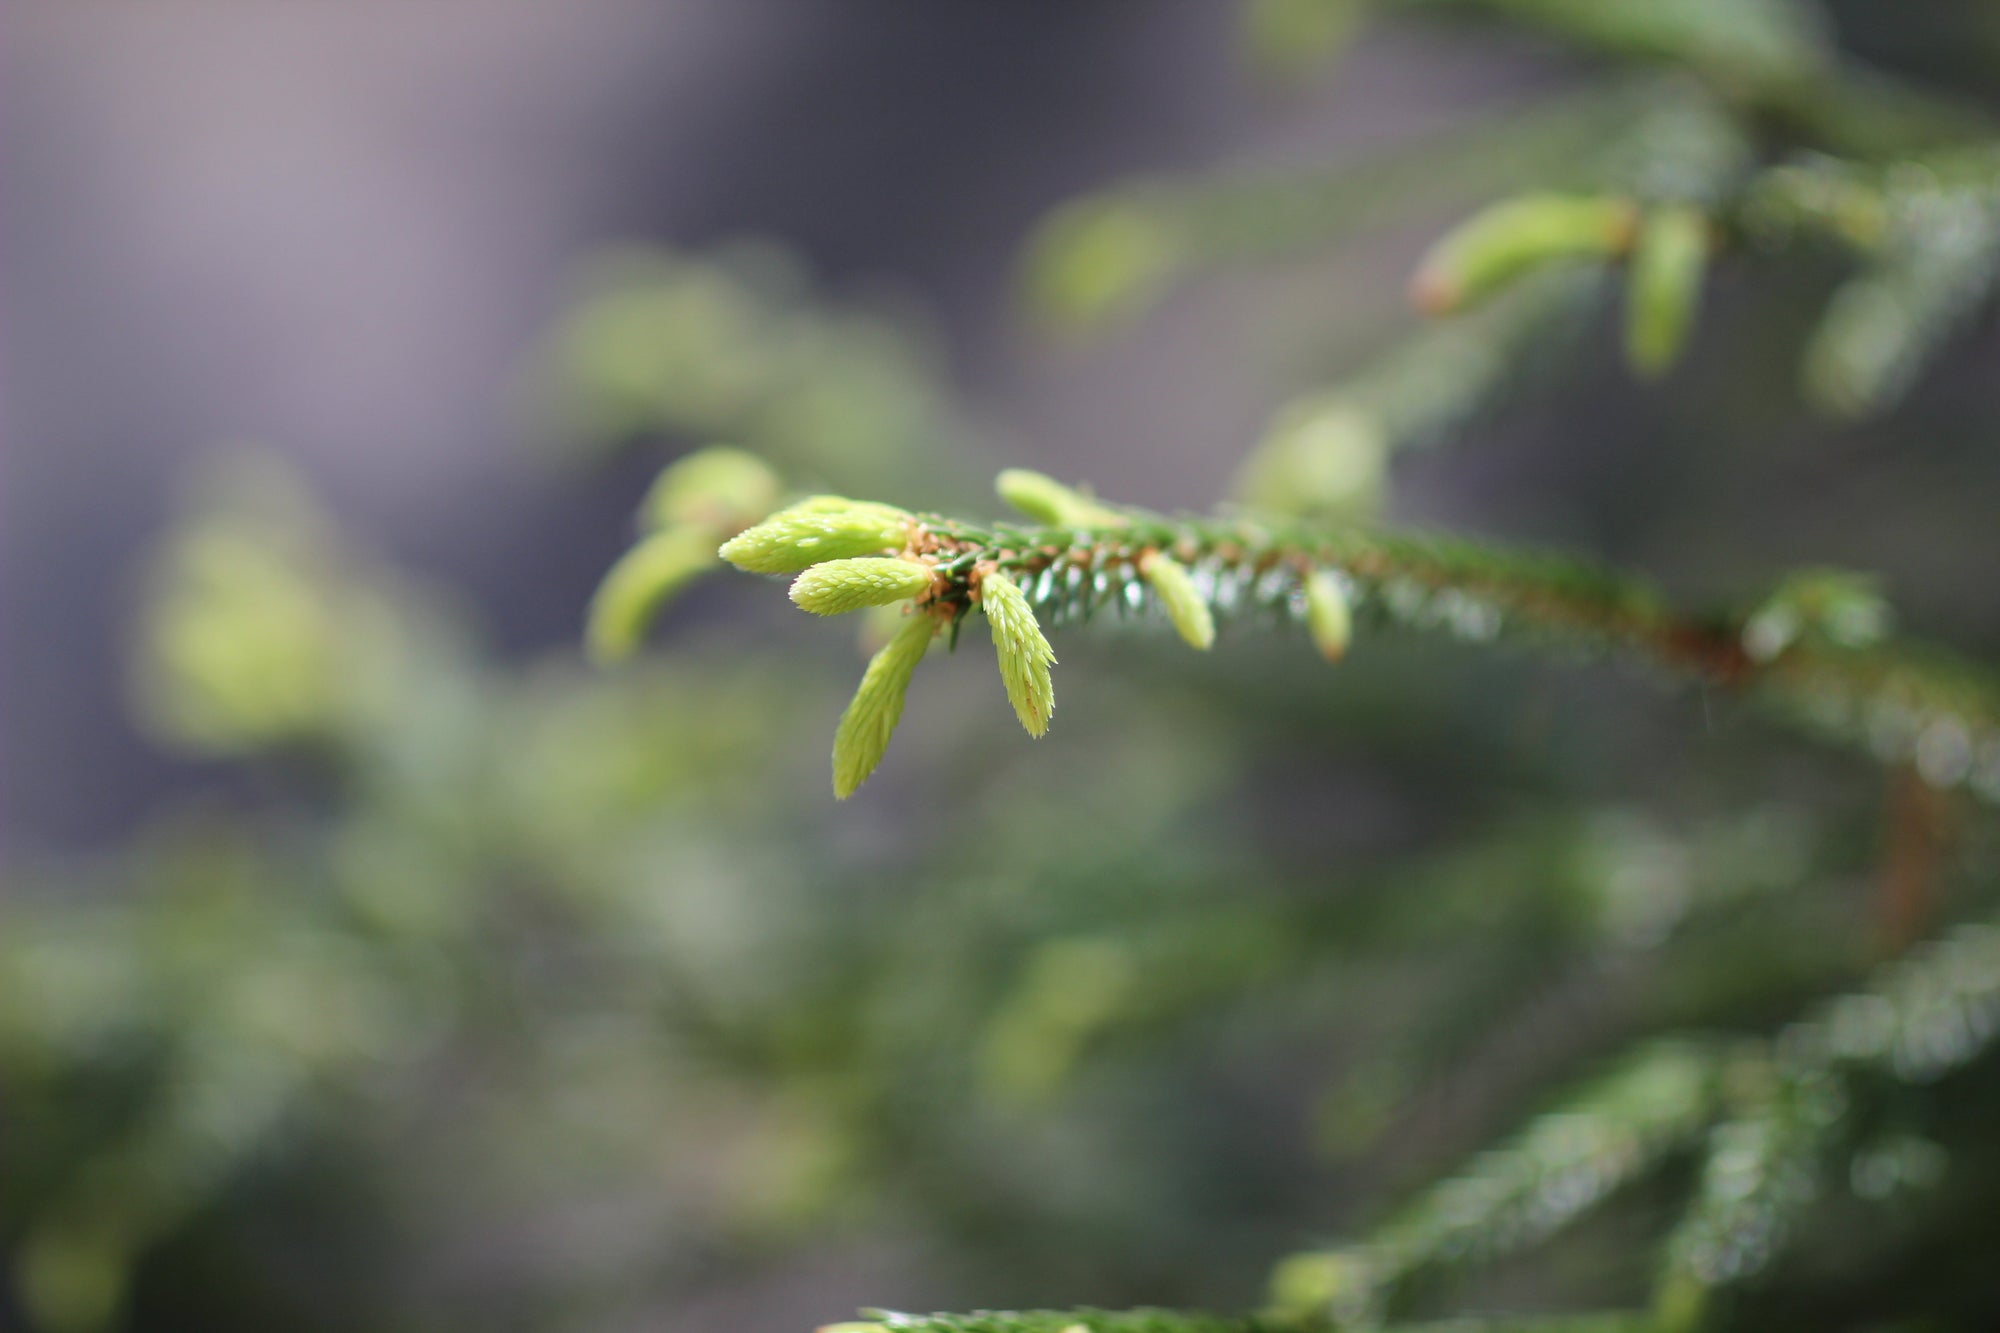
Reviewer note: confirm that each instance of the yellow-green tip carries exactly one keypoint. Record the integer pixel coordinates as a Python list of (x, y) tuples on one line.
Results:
[(1178, 596), (825, 527), (1024, 652), (838, 586), (871, 717)]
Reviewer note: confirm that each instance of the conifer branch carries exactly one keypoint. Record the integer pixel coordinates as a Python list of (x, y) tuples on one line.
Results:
[(1921, 1017), (1770, 1116), (1563, 1164), (1825, 665)]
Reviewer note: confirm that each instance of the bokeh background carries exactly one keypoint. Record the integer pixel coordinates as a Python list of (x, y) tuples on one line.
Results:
[(368, 960)]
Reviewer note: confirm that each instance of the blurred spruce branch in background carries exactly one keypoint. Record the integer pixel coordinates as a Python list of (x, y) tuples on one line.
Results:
[(1771, 1123)]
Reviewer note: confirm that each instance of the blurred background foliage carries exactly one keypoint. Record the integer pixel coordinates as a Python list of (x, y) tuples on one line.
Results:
[(472, 991)]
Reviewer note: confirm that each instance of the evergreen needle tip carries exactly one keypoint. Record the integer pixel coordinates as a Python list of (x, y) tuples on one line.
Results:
[(871, 717), (815, 531), (1023, 650), (834, 587)]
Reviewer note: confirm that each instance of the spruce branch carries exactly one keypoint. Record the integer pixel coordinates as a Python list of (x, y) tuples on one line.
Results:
[(1772, 1118), (1920, 1018), (1566, 1162), (1899, 701)]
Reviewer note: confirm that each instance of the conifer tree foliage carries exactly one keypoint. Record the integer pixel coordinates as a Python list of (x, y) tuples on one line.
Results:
[(1718, 137), (1399, 926)]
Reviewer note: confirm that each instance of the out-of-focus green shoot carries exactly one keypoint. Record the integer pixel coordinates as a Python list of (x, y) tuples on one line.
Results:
[(1663, 289), (640, 584), (1099, 261), (246, 638), (694, 505), (1068, 990), (719, 489), (735, 345), (1324, 457), (1511, 239)]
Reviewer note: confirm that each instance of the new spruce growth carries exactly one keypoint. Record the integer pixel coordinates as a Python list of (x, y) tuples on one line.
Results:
[(1025, 655), (825, 527), (871, 718), (867, 580)]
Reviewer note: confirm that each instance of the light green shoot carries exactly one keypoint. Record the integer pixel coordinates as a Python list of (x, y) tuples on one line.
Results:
[(838, 586), (1664, 286), (1025, 655), (813, 531), (870, 719)]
